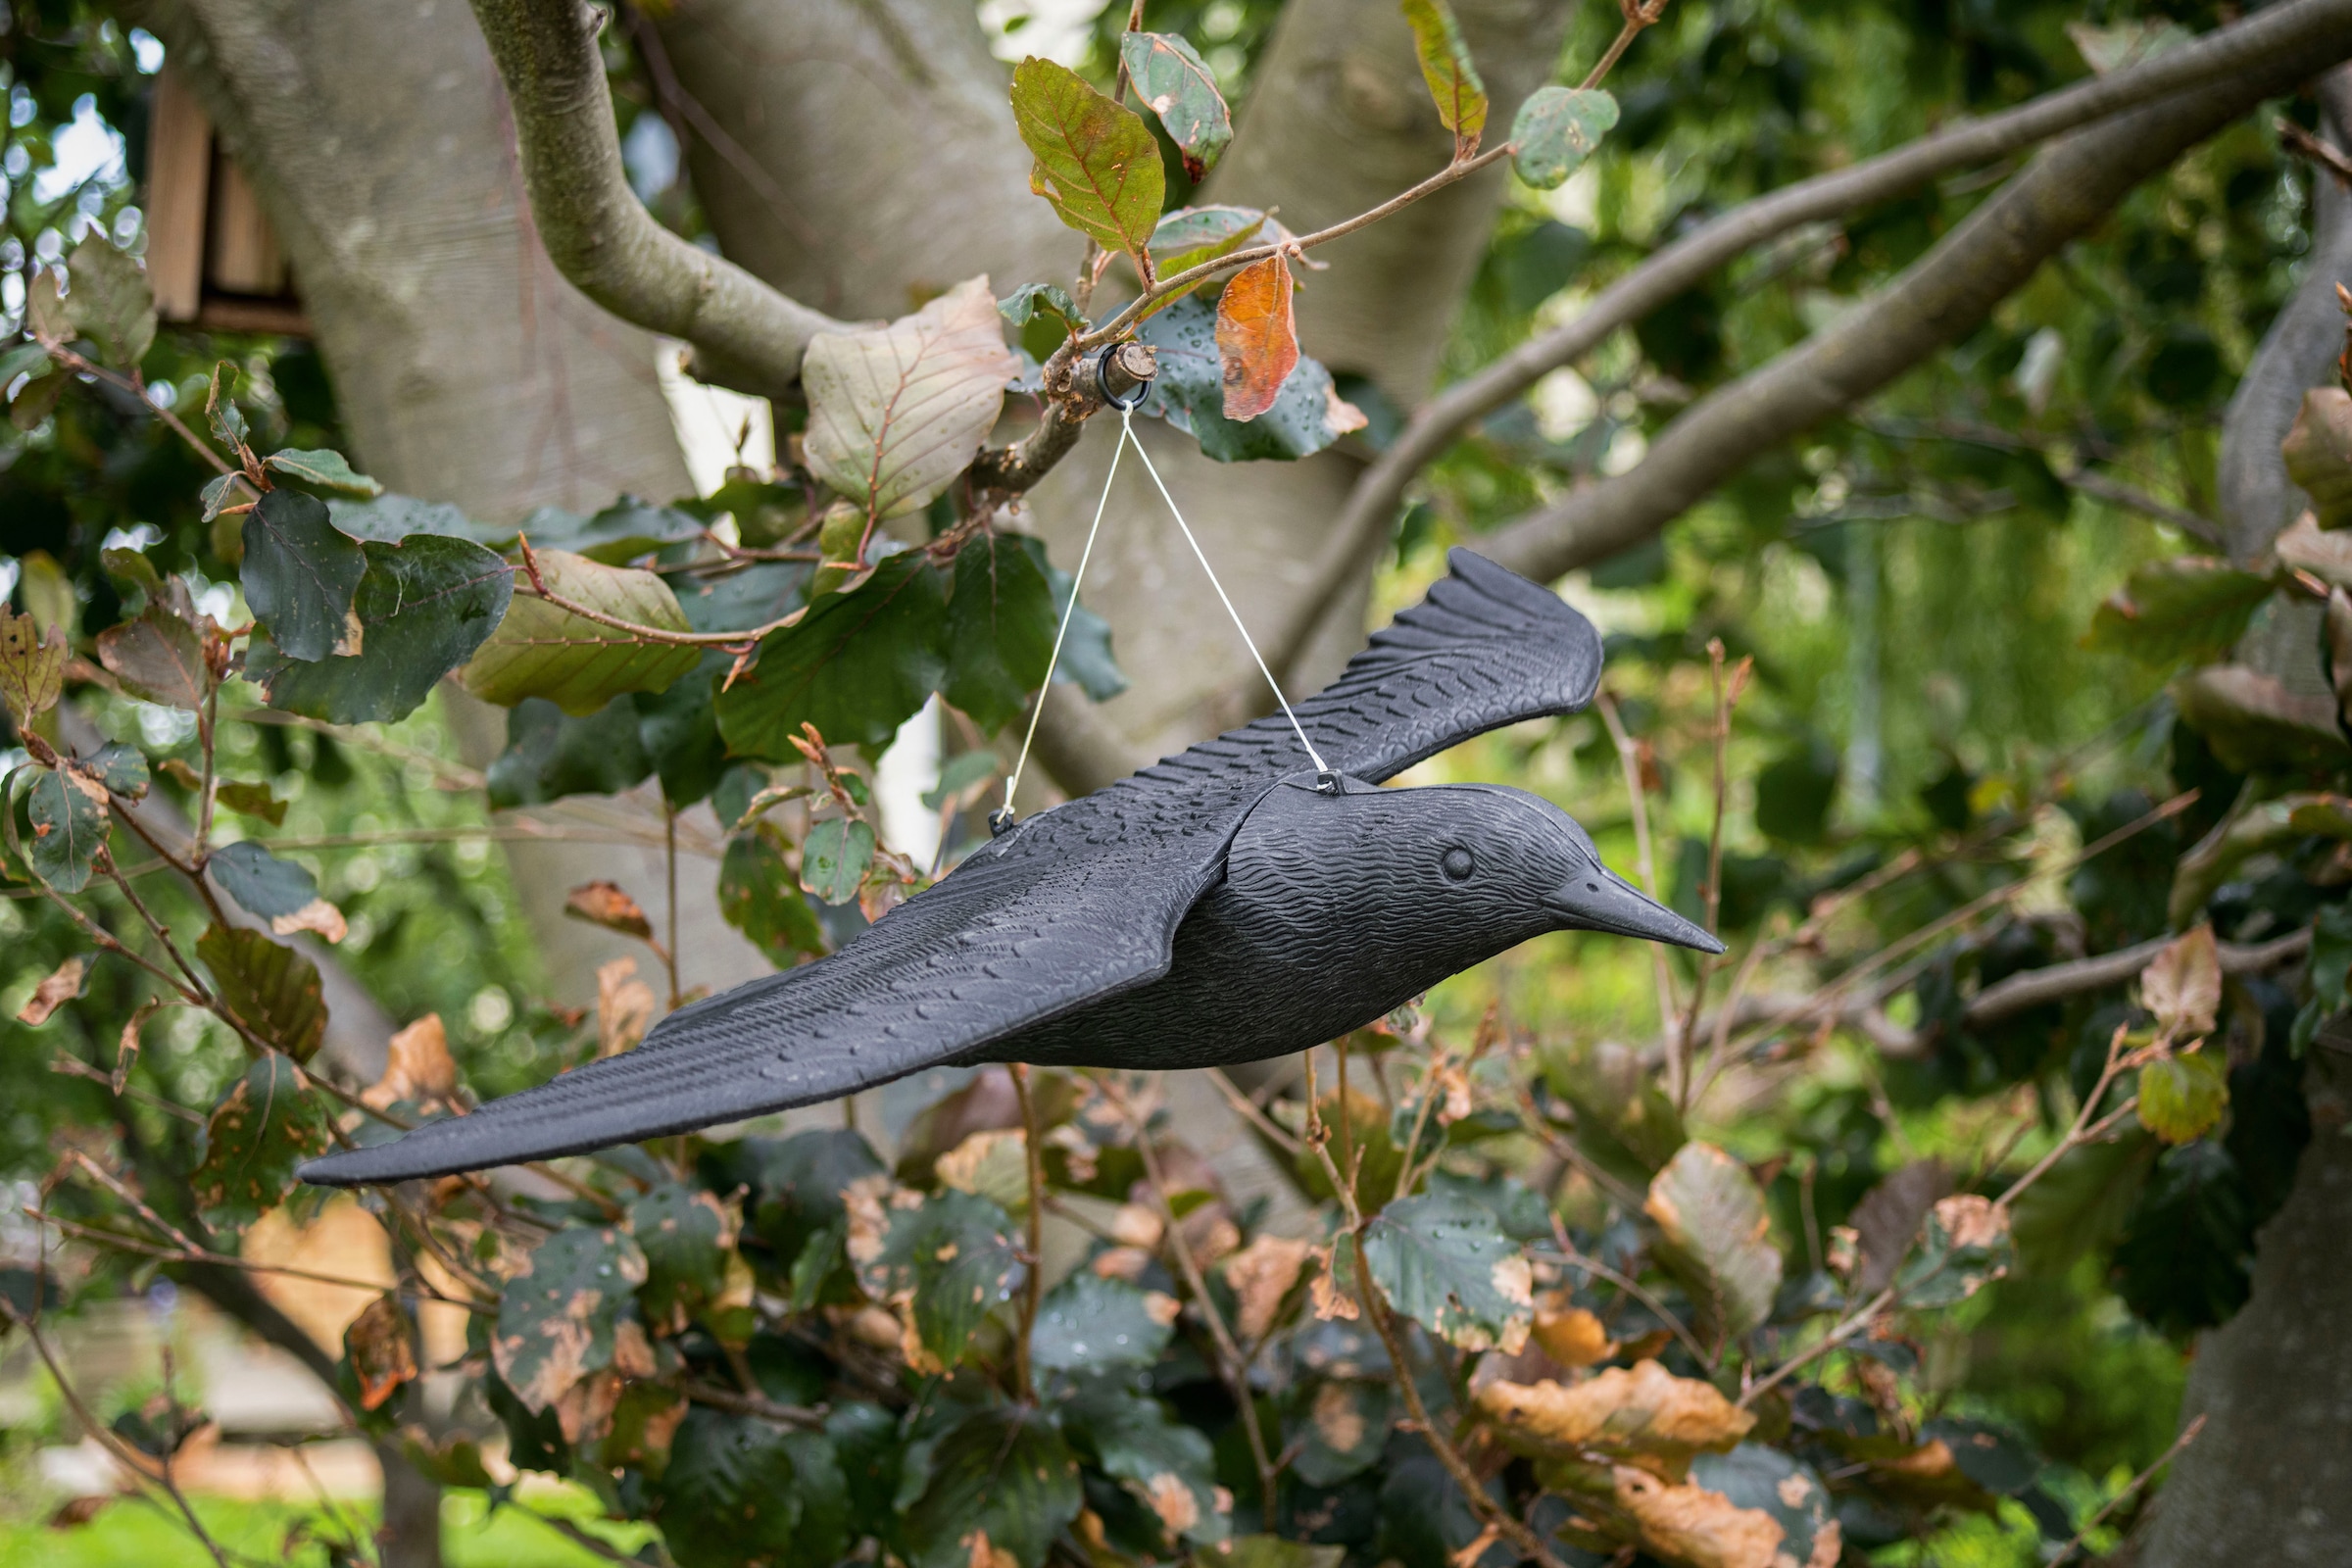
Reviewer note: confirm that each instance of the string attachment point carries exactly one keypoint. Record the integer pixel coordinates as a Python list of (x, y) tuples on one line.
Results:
[(1124, 372), (1327, 782), (1000, 820)]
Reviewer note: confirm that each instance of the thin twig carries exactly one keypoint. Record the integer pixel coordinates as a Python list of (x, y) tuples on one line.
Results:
[(191, 1253), (1629, 761), (1033, 1167), (1636, 18), (2188, 1435)]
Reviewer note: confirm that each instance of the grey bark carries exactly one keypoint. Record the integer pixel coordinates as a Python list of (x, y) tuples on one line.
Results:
[(2069, 187)]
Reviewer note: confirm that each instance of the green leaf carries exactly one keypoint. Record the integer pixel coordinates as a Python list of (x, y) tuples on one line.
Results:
[(958, 775), (1452, 74), (548, 756), (1090, 1324), (266, 1124), (2084, 1202), (834, 858), (48, 594), (951, 1255), (133, 567), (220, 493), (541, 651), (739, 1491), (2328, 973), (1085, 661), (687, 1238), (324, 471), (31, 359), (221, 412), (1191, 236), (1966, 1247), (2186, 1260), (38, 399), (623, 531), (1006, 1473), (68, 827), (278, 891), (679, 731), (2181, 1098), (122, 769), (1716, 1239), (1097, 161), (895, 413), (1556, 129), (857, 665), (1168, 1467), (760, 896), (1753, 1476), (1170, 76), (796, 1185), (1270, 1552), (1306, 416), (1001, 626), (1624, 1120), (1340, 1427), (257, 800), (273, 989), (1443, 1262), (2188, 608), (1033, 300), (425, 603), (300, 574), (558, 1320), (32, 667), (158, 658), (388, 518), (111, 304)]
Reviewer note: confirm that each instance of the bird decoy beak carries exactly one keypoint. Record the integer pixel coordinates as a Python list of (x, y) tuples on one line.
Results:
[(1602, 901)]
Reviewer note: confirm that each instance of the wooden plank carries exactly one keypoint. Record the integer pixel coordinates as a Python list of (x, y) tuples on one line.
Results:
[(179, 167), (241, 253)]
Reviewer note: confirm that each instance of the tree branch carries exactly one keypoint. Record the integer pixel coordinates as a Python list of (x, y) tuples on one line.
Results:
[(2293, 35), (745, 335)]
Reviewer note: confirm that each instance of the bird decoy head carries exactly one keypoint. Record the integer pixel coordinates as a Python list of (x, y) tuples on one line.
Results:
[(1462, 855)]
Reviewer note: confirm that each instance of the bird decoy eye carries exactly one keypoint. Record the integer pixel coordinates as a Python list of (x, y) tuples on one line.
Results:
[(1458, 864)]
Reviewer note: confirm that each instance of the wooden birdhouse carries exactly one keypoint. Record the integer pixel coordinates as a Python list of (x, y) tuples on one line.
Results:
[(212, 257)]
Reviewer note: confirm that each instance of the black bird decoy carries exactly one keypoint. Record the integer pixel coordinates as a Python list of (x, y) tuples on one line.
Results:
[(1220, 906)]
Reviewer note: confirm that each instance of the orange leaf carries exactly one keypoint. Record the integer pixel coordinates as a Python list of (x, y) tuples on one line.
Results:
[(605, 904), (1257, 347)]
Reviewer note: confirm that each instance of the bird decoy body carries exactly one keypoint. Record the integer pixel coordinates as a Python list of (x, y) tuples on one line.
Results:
[(1219, 907)]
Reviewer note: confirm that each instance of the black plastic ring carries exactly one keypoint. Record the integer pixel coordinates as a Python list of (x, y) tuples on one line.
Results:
[(1143, 388)]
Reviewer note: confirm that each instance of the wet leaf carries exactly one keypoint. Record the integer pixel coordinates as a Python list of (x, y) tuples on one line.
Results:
[(623, 531), (1191, 236), (1556, 129), (2181, 1098), (895, 413), (1257, 345), (605, 904), (324, 471), (281, 891), (834, 859), (1167, 1467), (300, 574), (1646, 1411), (1443, 1262), (1002, 1481), (273, 989), (387, 518), (738, 1491), (425, 603), (1716, 1239), (1753, 1476), (1000, 625), (568, 1315), (57, 987), (1170, 77), (857, 667), (2319, 454), (1340, 1429), (1452, 74), (2181, 609), (1097, 161), (266, 1124), (1090, 1324), (760, 896), (69, 815), (111, 304), (541, 651), (157, 657), (947, 1259), (32, 667), (382, 1351), (2182, 985), (688, 1238), (795, 1189), (1308, 415), (645, 1422), (257, 800), (549, 755), (1033, 300)]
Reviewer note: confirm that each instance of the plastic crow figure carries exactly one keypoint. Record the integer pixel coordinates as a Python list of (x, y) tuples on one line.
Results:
[(1221, 906)]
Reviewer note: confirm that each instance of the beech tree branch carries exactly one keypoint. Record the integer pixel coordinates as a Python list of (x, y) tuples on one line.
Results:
[(2298, 32), (745, 333), (1942, 298)]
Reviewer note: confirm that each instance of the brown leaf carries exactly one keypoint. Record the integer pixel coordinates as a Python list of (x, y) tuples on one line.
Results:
[(127, 1048), (605, 904), (2182, 985), (382, 1354), (1257, 345), (1261, 1274), (1573, 1337), (625, 1007), (1697, 1527), (2318, 454), (417, 1067), (1716, 1238), (1887, 1220), (318, 915), (1646, 1412), (62, 986), (74, 1512)]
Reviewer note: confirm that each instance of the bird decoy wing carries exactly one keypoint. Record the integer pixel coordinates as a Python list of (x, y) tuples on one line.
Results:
[(1485, 648), (1059, 912)]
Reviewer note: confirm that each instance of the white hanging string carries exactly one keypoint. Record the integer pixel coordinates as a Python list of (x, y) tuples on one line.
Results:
[(1001, 819)]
